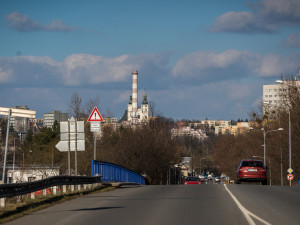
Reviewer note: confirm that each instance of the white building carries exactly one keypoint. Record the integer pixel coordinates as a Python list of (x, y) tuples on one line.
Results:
[(272, 94), (19, 174), (50, 118), (188, 131)]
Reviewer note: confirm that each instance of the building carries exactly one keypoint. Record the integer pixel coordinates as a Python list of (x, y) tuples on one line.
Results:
[(36, 124), (110, 121), (18, 174), (50, 118), (20, 124), (213, 123), (235, 130), (272, 94), (180, 131), (137, 114)]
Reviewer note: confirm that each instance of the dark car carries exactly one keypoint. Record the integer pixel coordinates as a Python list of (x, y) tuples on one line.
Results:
[(251, 170)]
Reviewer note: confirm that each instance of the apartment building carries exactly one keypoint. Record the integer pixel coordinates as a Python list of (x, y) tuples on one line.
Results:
[(20, 124), (210, 123), (240, 128), (50, 118), (188, 131), (272, 94)]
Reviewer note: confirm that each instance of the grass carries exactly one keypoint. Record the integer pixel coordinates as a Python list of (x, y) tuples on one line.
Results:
[(19, 206)]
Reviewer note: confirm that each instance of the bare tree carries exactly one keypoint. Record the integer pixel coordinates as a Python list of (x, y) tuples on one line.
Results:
[(75, 106), (91, 104), (152, 109)]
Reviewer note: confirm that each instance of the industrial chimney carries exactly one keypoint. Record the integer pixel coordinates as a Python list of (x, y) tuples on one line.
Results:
[(134, 94)]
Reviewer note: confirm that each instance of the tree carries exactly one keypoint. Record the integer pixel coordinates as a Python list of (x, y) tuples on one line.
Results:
[(91, 104), (75, 109)]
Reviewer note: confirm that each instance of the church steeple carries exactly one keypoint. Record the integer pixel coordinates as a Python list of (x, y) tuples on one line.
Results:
[(130, 100), (145, 101)]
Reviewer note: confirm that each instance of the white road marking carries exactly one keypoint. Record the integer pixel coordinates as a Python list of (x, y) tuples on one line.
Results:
[(246, 212)]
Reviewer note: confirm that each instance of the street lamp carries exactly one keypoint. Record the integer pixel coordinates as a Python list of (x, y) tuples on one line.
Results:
[(200, 164), (255, 156), (290, 133), (265, 133)]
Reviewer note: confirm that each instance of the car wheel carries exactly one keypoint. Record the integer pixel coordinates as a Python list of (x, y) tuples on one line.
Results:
[(238, 182)]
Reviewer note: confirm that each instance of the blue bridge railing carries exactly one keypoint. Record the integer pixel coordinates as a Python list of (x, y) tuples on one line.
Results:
[(113, 173)]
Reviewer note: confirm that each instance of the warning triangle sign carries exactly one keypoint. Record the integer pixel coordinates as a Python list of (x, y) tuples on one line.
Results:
[(95, 116)]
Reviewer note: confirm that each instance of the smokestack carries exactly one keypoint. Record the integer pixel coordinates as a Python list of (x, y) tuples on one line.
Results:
[(134, 93)]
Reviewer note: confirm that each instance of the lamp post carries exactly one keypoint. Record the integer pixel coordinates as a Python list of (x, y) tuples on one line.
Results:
[(265, 133), (290, 132), (201, 164), (255, 156)]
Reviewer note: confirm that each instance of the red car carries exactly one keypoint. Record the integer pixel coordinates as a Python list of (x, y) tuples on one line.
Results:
[(192, 180), (251, 170)]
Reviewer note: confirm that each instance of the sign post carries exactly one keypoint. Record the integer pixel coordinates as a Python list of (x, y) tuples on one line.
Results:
[(13, 112), (95, 118), (72, 138)]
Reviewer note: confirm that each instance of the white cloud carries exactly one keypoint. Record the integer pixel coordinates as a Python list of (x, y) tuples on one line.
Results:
[(272, 65), (293, 40), (23, 23), (5, 76), (232, 64), (79, 69), (90, 69), (203, 81), (266, 16)]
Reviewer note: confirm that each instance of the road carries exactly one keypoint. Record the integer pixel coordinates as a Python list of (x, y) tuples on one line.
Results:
[(176, 205)]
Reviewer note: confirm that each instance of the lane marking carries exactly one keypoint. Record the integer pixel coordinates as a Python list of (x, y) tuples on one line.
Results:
[(246, 212)]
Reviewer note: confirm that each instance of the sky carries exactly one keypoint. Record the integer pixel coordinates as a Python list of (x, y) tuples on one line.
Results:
[(196, 59)]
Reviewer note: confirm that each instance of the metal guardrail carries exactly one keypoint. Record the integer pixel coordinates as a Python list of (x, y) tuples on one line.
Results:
[(113, 173), (15, 189)]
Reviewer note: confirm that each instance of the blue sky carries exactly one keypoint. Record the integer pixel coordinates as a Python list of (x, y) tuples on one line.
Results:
[(195, 59)]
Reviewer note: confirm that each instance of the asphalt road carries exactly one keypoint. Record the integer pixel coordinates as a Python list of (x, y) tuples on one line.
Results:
[(179, 204)]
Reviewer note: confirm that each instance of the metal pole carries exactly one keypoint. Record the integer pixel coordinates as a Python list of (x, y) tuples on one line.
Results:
[(264, 147), (281, 166), (14, 159), (75, 148), (6, 145), (270, 172), (69, 149), (290, 144), (95, 139)]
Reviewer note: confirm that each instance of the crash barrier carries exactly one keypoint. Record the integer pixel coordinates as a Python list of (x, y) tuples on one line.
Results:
[(17, 189), (113, 173)]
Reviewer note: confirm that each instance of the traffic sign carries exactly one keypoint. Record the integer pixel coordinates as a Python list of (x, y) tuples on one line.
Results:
[(95, 116), (63, 146), (72, 136), (18, 112), (290, 176), (95, 126), (290, 170)]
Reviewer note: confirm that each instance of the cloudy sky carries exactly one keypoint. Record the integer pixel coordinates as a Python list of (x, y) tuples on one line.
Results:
[(195, 58)]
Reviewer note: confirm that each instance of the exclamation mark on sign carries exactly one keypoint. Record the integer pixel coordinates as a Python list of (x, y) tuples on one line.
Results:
[(95, 115)]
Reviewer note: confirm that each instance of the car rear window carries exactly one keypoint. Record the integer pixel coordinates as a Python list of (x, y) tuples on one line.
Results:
[(252, 164), (192, 178)]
